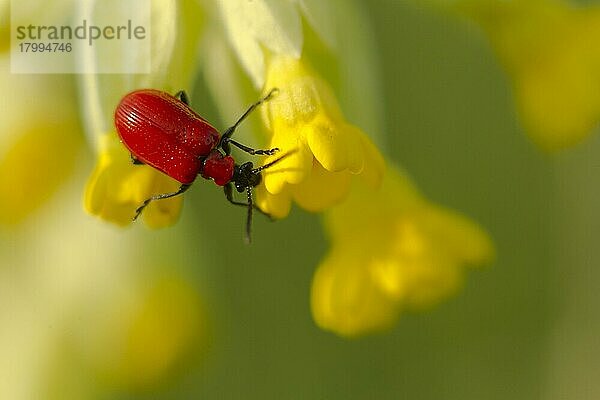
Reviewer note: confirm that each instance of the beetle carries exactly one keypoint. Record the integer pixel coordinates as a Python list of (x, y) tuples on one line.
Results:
[(162, 130)]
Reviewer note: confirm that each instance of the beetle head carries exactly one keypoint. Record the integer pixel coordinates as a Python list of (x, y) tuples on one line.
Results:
[(245, 176)]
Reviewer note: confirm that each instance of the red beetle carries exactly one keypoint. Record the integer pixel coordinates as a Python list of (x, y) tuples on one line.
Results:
[(162, 131)]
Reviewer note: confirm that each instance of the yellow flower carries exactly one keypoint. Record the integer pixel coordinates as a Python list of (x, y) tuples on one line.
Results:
[(275, 49), (322, 150), (391, 251), (550, 49), (117, 188)]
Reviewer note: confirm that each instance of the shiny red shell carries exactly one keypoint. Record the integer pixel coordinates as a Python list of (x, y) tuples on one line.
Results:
[(161, 131)]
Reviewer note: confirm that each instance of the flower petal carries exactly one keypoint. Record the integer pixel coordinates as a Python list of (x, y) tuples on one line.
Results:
[(465, 240), (337, 146), (276, 206), (322, 189), (293, 168), (250, 25), (344, 297), (374, 164)]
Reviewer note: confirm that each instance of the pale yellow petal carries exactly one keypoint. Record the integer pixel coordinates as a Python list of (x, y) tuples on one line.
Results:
[(465, 240), (277, 206), (322, 189), (293, 168), (336, 145), (374, 164), (344, 297)]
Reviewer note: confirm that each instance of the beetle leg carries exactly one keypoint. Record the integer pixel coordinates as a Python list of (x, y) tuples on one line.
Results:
[(250, 150), (183, 97), (249, 215), (229, 195), (134, 160), (139, 210), (227, 134)]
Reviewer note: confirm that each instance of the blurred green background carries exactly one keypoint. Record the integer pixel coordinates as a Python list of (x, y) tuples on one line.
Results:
[(525, 328)]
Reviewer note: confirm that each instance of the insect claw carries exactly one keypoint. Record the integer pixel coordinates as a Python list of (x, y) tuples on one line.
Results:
[(272, 93), (137, 213)]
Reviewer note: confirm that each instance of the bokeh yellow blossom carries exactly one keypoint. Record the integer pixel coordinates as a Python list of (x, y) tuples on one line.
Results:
[(391, 251), (322, 150), (550, 50), (37, 153), (150, 331)]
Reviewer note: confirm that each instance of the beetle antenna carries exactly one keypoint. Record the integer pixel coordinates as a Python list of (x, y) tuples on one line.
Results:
[(268, 165)]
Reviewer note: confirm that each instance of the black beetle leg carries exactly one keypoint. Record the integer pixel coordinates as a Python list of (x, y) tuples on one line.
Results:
[(183, 97), (134, 160), (229, 195), (250, 150), (139, 210)]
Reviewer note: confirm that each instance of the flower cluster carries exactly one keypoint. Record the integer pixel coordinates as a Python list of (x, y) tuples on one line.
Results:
[(400, 252), (392, 250), (325, 150)]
